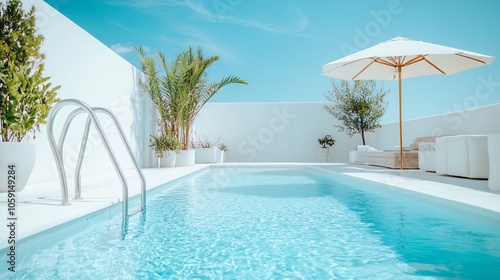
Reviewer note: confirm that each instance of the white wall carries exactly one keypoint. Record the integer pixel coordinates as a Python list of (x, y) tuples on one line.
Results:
[(254, 132), (288, 132), (273, 132), (88, 70)]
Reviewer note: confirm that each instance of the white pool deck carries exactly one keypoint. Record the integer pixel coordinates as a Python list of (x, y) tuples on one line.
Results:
[(39, 205)]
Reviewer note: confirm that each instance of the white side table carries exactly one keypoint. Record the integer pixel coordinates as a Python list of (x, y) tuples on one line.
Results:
[(494, 160), (478, 156), (426, 156), (441, 155)]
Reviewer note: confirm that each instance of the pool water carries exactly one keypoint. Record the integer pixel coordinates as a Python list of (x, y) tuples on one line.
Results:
[(268, 223)]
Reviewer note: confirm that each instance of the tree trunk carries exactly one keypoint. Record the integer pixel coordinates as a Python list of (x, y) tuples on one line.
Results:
[(363, 137), (186, 136)]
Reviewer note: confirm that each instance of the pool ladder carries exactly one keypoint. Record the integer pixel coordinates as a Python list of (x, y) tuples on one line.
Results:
[(57, 150)]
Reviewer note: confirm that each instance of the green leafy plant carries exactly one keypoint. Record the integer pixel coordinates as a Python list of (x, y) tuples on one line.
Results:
[(164, 143), (223, 147), (181, 90), (327, 140), (26, 95), (163, 91), (204, 142), (358, 105), (198, 88)]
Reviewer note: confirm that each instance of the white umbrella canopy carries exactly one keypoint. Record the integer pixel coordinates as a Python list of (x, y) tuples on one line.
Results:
[(418, 58), (402, 58)]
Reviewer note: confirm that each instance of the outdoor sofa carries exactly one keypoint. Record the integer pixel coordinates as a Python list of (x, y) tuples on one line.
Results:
[(389, 159)]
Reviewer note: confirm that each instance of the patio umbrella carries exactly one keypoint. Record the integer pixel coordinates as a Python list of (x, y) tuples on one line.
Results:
[(401, 58)]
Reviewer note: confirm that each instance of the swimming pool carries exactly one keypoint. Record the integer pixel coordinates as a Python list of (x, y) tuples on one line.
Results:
[(267, 223)]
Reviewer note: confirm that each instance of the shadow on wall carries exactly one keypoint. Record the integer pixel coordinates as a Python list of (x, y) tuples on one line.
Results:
[(142, 122)]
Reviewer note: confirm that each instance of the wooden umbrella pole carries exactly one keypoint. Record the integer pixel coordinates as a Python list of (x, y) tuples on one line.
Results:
[(400, 121)]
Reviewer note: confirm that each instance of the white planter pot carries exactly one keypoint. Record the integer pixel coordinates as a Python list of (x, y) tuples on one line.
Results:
[(22, 155), (205, 155), (185, 158), (323, 154), (169, 159), (219, 156)]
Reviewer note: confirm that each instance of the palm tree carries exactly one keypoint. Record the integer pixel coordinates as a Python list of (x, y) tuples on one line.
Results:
[(152, 86), (183, 89), (197, 88)]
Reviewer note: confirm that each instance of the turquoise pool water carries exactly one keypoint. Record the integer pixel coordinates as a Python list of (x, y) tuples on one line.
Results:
[(267, 223)]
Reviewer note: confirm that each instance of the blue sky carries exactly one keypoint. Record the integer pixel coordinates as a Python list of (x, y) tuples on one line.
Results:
[(279, 47)]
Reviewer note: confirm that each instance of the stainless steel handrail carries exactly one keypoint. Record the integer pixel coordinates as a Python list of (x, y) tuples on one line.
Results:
[(57, 151)]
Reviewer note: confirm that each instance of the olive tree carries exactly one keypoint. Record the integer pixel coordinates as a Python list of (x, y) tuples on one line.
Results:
[(358, 105)]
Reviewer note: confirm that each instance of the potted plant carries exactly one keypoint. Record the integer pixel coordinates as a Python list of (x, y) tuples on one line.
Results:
[(198, 88), (327, 140), (26, 96), (222, 150), (205, 150), (324, 152), (181, 92), (166, 146)]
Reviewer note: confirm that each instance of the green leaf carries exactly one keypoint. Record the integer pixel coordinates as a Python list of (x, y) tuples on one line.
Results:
[(358, 105), (26, 93)]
